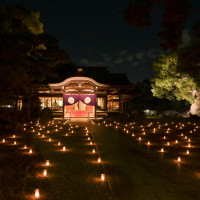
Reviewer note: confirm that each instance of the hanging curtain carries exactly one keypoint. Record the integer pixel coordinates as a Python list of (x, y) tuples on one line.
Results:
[(70, 99), (89, 99)]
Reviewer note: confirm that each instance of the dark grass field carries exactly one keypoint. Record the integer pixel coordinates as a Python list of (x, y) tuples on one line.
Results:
[(73, 174), (140, 171), (176, 137)]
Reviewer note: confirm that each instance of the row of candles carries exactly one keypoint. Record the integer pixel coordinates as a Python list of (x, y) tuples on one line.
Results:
[(141, 131), (89, 137)]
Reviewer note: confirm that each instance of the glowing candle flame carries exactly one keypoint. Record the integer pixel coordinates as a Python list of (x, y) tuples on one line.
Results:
[(37, 193), (47, 163), (179, 159), (187, 152), (162, 150), (58, 143), (15, 142), (3, 140), (30, 151), (99, 160), (102, 177), (45, 172), (93, 151), (64, 148)]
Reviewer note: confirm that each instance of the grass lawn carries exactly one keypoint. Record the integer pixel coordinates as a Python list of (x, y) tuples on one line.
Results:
[(72, 174), (176, 138), (139, 170)]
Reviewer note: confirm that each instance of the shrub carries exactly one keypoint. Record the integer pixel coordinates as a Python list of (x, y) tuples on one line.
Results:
[(46, 115)]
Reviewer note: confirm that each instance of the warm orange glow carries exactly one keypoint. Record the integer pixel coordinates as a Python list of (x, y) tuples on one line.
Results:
[(179, 159), (13, 136), (3, 140), (30, 151), (45, 172), (90, 143), (58, 143), (49, 139), (93, 151), (39, 133), (99, 160), (64, 148), (15, 142), (148, 143), (25, 147), (47, 163), (102, 177), (37, 193), (162, 149), (187, 152)]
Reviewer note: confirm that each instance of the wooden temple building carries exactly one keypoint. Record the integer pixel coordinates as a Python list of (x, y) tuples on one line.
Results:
[(90, 92)]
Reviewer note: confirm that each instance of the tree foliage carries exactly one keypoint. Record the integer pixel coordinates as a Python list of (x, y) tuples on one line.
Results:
[(28, 55), (138, 14), (171, 83)]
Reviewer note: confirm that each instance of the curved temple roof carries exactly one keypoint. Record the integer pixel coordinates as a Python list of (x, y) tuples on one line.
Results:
[(77, 79)]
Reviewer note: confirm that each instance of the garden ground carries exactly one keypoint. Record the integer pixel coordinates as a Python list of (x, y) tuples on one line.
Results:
[(134, 169)]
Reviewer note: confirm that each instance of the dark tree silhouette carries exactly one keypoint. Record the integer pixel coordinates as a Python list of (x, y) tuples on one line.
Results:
[(27, 56), (138, 14)]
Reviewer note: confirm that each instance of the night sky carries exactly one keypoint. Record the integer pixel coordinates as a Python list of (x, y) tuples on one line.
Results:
[(93, 33)]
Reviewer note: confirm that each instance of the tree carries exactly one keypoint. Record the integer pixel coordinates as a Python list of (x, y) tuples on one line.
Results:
[(138, 14), (172, 83), (28, 55)]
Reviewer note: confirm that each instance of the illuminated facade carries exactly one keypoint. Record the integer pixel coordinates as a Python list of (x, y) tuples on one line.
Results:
[(83, 96)]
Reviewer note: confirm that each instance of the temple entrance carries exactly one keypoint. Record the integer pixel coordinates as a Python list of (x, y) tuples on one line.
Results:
[(78, 108)]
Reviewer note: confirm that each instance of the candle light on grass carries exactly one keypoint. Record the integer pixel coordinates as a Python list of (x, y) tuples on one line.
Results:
[(47, 163), (44, 172), (102, 177), (37, 193)]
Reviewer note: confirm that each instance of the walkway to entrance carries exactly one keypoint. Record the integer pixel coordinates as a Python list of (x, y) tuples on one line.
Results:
[(136, 172), (80, 121)]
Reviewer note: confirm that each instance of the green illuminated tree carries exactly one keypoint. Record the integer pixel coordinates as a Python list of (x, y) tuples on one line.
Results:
[(170, 82)]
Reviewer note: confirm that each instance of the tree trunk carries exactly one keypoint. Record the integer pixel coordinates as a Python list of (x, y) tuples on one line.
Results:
[(195, 107)]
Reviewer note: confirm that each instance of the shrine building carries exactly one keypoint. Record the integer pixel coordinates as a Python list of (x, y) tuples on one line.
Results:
[(91, 92)]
